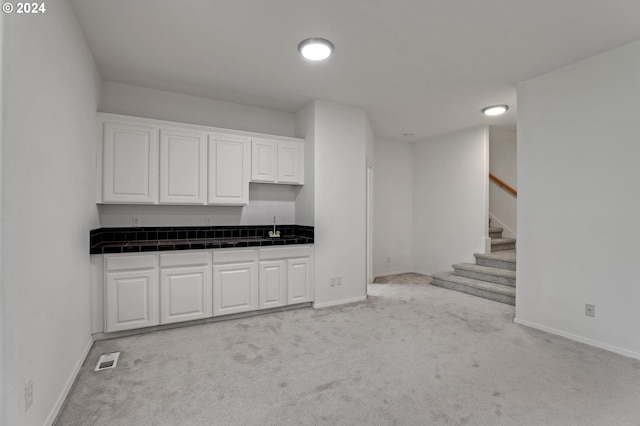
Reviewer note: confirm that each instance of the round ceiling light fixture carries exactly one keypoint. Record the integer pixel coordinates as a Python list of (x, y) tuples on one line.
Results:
[(494, 110), (315, 49)]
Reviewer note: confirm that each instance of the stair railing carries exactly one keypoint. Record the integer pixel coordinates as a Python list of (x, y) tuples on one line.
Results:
[(502, 184)]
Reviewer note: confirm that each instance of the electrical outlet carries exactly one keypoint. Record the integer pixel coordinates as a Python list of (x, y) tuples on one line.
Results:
[(332, 282), (28, 396), (339, 280), (388, 260), (136, 220), (590, 310)]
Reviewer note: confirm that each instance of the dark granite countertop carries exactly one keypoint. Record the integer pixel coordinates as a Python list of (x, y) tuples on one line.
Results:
[(136, 240)]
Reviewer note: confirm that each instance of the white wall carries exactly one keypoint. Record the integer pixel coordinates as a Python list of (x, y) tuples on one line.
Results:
[(340, 165), (450, 199), (2, 298), (305, 199), (503, 150), (579, 203), (393, 208), (51, 90), (118, 98), (265, 201)]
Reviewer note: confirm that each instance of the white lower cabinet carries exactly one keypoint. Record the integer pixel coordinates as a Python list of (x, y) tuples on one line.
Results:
[(131, 292), (144, 290), (299, 280), (273, 286), (185, 287), (288, 273), (235, 281)]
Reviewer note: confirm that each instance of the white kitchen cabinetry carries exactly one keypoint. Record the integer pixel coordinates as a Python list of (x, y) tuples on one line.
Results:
[(299, 280), (273, 287), (145, 161), (183, 166), (277, 161), (290, 163), (263, 160), (229, 169), (235, 281), (143, 290), (131, 292), (130, 163), (185, 287)]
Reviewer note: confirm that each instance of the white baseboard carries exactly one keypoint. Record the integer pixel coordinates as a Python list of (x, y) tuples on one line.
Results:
[(509, 233), (339, 302), (580, 339), (67, 387)]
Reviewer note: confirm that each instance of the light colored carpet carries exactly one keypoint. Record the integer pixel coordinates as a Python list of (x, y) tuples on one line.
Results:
[(408, 278), (410, 354)]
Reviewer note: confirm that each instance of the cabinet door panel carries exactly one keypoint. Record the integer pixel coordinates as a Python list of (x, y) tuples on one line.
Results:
[(228, 170), (263, 160), (131, 300), (235, 288), (273, 287), (288, 162), (185, 294), (183, 166), (299, 280), (130, 164)]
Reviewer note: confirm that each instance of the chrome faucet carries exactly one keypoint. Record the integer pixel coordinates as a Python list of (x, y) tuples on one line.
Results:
[(274, 233)]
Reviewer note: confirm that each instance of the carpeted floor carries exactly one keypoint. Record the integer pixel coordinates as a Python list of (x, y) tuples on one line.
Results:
[(410, 354), (408, 278)]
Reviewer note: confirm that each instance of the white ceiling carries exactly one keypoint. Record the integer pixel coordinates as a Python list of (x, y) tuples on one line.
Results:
[(425, 67)]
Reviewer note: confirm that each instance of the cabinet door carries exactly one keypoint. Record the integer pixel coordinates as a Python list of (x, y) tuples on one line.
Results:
[(263, 160), (185, 294), (183, 166), (299, 280), (132, 300), (130, 164), (273, 285), (235, 288), (228, 170), (290, 160)]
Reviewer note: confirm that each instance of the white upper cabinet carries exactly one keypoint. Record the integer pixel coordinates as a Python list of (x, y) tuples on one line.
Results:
[(145, 161), (130, 164), (263, 160), (277, 161), (229, 169), (183, 166), (290, 162)]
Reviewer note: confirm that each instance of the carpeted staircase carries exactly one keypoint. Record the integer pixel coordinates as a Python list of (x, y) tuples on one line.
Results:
[(493, 276)]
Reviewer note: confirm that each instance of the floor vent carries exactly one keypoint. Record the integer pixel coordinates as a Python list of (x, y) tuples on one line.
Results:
[(107, 361)]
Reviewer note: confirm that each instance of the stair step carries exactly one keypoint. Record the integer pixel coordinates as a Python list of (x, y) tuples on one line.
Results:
[(498, 244), (485, 273), (501, 260), (496, 292), (495, 232)]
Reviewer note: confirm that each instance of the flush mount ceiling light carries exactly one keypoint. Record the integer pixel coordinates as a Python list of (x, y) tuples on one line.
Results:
[(494, 110), (315, 49)]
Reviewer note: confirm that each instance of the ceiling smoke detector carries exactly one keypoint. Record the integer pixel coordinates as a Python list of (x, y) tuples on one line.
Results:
[(315, 49), (494, 110)]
